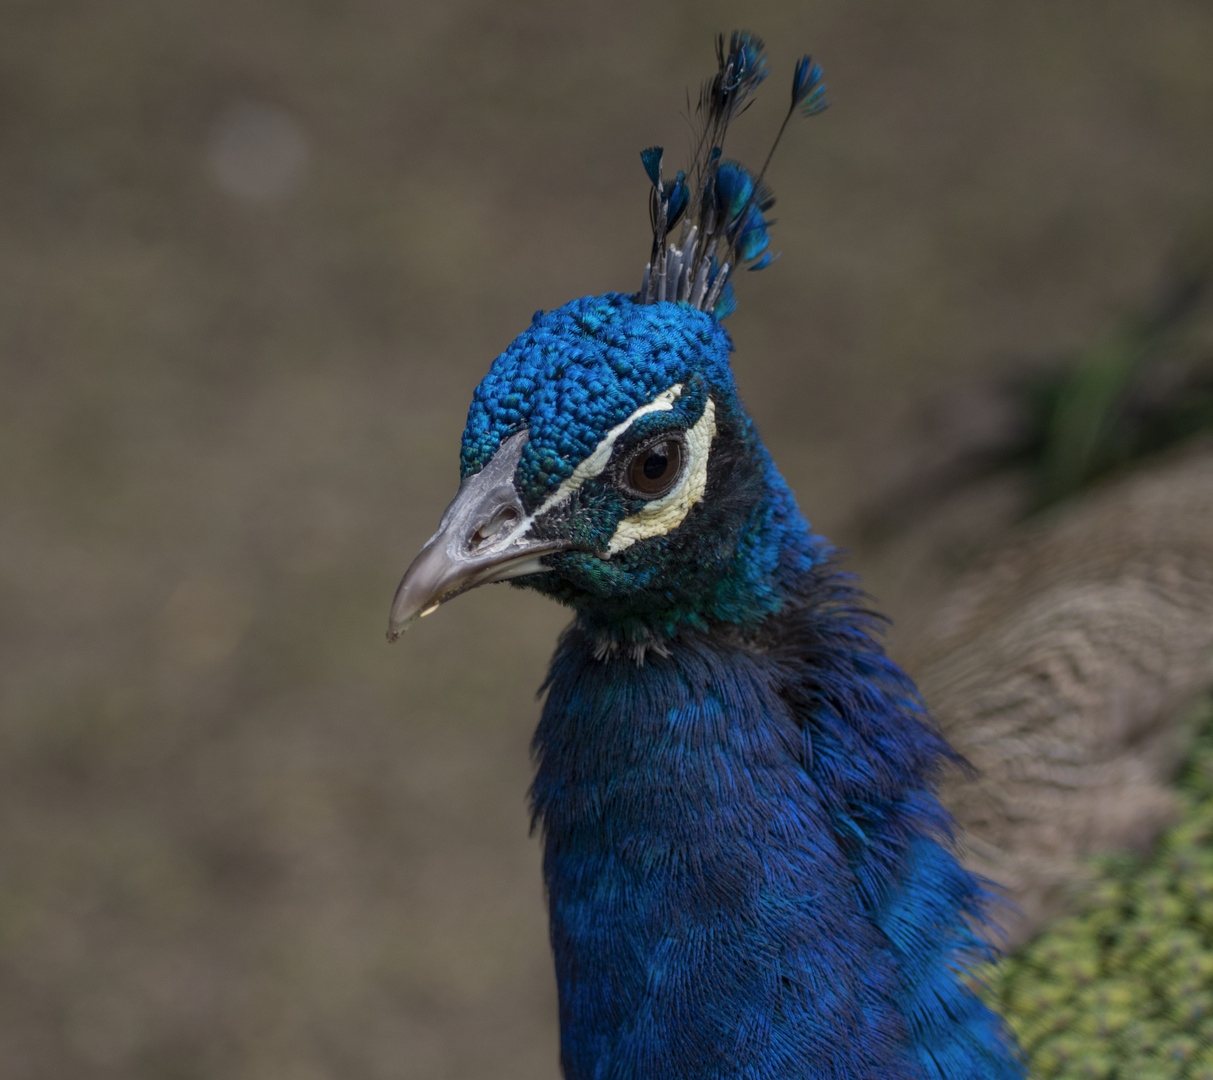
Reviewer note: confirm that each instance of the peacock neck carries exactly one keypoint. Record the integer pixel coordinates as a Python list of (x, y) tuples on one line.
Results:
[(746, 865), (743, 552)]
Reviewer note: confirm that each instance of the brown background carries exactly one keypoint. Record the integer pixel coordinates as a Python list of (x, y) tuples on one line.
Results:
[(254, 255)]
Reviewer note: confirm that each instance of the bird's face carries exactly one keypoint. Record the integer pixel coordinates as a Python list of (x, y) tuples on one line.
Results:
[(606, 462)]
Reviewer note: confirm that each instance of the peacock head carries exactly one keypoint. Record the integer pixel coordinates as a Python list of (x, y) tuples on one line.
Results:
[(607, 460)]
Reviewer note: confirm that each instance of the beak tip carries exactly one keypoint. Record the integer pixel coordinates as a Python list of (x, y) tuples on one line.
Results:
[(397, 627)]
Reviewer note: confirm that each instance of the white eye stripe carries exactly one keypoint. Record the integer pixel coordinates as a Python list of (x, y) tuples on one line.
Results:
[(665, 514), (601, 457), (597, 461)]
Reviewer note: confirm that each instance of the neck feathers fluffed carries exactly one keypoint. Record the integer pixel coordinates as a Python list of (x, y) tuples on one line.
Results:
[(748, 871)]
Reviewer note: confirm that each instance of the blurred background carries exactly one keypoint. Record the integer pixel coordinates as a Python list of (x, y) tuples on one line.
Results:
[(254, 256)]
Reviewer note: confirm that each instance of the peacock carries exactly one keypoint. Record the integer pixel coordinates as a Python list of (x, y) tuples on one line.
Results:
[(748, 867)]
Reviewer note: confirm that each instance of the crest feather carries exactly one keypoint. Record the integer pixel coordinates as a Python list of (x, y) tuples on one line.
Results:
[(721, 204)]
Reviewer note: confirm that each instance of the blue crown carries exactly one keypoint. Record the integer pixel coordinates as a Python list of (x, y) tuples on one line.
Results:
[(580, 370)]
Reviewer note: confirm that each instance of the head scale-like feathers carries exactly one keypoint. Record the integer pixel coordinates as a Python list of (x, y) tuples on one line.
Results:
[(578, 371)]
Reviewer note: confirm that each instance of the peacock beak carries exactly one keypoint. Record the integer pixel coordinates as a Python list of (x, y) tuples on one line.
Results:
[(481, 538)]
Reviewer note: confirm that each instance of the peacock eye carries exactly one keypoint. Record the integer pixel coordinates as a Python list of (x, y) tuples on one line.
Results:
[(654, 469)]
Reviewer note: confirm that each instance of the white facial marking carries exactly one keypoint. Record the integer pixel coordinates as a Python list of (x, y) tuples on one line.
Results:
[(601, 456), (593, 465), (657, 517), (667, 513)]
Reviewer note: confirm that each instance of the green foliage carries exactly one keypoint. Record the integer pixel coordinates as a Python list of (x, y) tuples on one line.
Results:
[(1144, 386), (1123, 990), (1124, 398)]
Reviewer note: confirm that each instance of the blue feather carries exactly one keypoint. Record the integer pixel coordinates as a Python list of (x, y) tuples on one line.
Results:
[(726, 304), (808, 89), (678, 198), (752, 238), (733, 189), (741, 203), (740, 72), (690, 838), (652, 163)]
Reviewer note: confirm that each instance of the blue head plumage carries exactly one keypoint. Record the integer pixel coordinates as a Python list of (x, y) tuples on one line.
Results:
[(607, 373), (748, 872), (581, 374), (579, 371)]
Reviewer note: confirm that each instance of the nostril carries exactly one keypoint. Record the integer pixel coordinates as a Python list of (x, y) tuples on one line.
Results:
[(504, 519)]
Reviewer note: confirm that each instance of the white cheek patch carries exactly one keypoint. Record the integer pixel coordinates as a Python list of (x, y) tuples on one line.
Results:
[(667, 513)]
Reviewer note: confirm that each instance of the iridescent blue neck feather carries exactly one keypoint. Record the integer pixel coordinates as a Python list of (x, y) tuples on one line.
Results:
[(748, 872)]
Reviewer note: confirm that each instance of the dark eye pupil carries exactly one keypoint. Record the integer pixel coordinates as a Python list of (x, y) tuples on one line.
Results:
[(654, 470), (655, 465)]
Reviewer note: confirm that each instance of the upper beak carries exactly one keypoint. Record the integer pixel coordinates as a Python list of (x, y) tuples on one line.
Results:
[(481, 538)]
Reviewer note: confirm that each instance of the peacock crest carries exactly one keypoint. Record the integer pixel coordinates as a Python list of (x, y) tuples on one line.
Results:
[(720, 205)]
